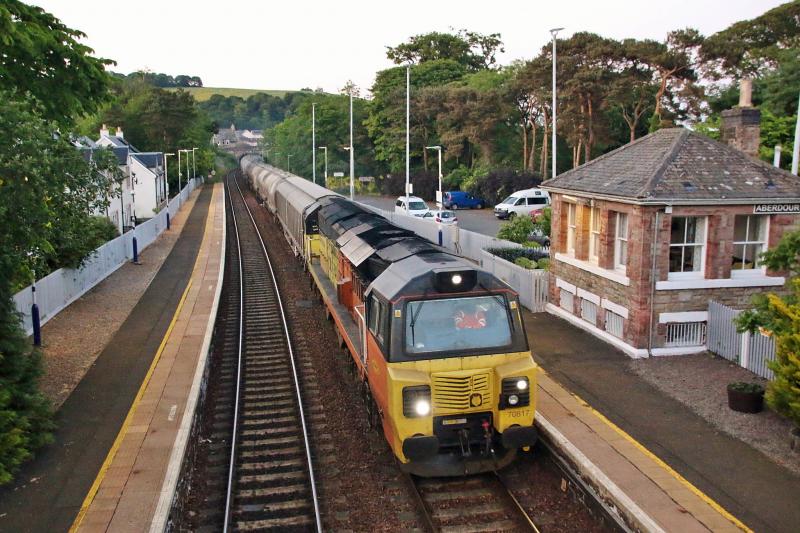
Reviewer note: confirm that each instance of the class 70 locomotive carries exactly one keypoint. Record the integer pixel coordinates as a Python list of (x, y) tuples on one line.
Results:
[(438, 344)]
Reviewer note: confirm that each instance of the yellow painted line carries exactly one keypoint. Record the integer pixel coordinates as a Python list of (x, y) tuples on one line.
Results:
[(124, 429), (682, 480)]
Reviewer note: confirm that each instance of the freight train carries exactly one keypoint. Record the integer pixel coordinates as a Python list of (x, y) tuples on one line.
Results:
[(438, 345)]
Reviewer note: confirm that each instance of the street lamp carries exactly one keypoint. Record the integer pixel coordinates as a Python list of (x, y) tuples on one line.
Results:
[(288, 162), (179, 174), (134, 181), (352, 159), (194, 166), (554, 32), (408, 144), (166, 182), (439, 202), (313, 143), (325, 149)]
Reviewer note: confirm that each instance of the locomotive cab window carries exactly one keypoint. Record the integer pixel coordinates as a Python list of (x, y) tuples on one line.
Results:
[(377, 318), (457, 325)]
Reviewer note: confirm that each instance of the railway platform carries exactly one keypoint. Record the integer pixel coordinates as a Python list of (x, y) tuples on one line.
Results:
[(134, 487)]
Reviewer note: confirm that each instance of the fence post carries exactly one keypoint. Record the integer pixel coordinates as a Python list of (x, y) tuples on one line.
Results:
[(744, 360), (37, 326)]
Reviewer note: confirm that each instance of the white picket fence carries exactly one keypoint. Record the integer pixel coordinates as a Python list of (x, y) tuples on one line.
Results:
[(530, 284), (60, 288), (750, 350)]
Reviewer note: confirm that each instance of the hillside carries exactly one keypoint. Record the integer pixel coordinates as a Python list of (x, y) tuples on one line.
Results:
[(201, 94)]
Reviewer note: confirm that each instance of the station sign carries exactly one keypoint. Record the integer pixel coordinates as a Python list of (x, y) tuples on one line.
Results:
[(762, 209), (338, 174)]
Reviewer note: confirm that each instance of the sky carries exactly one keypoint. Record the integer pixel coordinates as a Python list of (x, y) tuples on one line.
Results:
[(294, 44)]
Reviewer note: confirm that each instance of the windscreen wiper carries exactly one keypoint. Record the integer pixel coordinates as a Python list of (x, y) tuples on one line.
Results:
[(416, 315)]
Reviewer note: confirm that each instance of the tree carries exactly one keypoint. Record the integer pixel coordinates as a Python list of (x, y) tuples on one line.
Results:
[(472, 50), (779, 316), (43, 58)]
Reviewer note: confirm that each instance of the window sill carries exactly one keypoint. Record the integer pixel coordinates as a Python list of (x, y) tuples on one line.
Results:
[(594, 269), (761, 281)]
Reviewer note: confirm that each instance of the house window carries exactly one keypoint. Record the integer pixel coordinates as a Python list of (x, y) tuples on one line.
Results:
[(566, 301), (749, 241), (621, 242), (687, 246), (589, 311), (614, 323), (571, 228), (594, 234)]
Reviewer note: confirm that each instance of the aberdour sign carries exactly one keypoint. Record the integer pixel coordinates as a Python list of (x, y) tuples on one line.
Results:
[(776, 208)]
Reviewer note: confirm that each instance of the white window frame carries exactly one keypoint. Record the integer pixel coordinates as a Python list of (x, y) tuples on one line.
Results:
[(761, 270), (620, 264), (594, 235), (701, 273), (572, 229)]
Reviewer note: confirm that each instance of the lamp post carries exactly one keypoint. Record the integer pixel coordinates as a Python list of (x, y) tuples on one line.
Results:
[(35, 320), (180, 192), (313, 143), (194, 166), (352, 159), (166, 181), (439, 201), (554, 33), (325, 150), (408, 137), (288, 162), (133, 219)]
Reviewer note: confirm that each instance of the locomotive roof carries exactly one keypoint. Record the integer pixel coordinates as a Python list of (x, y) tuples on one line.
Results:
[(413, 275)]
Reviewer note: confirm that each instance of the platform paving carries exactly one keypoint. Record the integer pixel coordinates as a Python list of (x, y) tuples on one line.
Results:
[(49, 490), (628, 428), (135, 486)]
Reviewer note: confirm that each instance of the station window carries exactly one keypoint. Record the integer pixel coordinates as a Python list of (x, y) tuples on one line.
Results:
[(594, 234), (749, 241), (687, 247), (621, 242), (571, 228)]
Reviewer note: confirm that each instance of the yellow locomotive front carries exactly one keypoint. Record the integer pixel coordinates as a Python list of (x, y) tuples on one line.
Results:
[(460, 379)]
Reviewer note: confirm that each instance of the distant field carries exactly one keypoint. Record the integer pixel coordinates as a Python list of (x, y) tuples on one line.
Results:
[(202, 94)]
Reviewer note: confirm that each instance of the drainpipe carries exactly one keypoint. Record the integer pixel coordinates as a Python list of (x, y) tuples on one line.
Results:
[(653, 286)]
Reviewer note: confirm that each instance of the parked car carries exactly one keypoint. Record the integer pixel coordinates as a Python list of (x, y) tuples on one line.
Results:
[(416, 206), (444, 217), (537, 235), (522, 203), (462, 200)]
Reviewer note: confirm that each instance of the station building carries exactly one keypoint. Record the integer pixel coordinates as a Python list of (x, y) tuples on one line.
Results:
[(645, 236)]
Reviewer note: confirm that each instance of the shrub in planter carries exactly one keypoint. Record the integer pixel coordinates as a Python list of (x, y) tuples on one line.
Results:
[(544, 264), (511, 254), (745, 397), (524, 262)]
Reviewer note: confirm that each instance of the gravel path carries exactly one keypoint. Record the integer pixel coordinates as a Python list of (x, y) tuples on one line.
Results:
[(699, 381), (72, 340)]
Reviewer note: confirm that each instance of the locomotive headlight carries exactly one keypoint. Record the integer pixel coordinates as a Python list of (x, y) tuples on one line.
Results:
[(456, 279), (416, 401), (422, 407), (515, 392)]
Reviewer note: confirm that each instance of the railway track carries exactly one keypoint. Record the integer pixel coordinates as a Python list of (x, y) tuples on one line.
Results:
[(470, 504), (270, 476)]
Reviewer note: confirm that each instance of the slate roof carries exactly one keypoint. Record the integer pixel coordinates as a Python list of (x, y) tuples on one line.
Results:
[(148, 159), (120, 152), (674, 165)]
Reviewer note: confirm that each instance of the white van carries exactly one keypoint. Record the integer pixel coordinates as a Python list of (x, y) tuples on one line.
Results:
[(522, 203), (416, 206)]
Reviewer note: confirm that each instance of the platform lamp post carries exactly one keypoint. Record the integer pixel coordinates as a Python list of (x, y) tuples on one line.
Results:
[(133, 219), (35, 320), (325, 150), (314, 142), (439, 199), (289, 162), (408, 136), (166, 180), (179, 177), (352, 158), (554, 33), (194, 166)]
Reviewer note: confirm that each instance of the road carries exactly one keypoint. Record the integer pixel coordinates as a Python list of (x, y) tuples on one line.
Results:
[(477, 220)]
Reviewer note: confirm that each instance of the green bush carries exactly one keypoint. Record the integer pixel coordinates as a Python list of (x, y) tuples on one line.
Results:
[(544, 264), (543, 221), (516, 230), (524, 262), (746, 387), (531, 244), (512, 254)]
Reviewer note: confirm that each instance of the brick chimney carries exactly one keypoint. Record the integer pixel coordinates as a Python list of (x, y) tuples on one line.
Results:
[(119, 133), (741, 126)]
